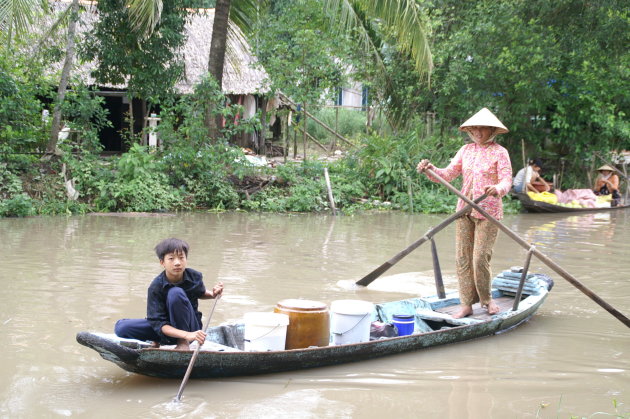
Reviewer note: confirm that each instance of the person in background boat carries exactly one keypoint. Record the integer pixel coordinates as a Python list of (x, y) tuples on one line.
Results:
[(607, 183), (486, 168), (528, 179), (173, 317)]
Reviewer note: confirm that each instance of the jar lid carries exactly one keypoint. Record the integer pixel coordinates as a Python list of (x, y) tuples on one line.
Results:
[(300, 304)]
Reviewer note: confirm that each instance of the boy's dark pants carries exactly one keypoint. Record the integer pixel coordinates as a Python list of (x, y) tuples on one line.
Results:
[(181, 316)]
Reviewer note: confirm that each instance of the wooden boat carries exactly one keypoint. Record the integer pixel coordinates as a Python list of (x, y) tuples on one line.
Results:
[(223, 356), (531, 205)]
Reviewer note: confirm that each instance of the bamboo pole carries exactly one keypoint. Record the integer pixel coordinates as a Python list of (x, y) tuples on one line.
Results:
[(178, 397), (521, 284), (285, 137), (310, 137), (333, 143), (304, 132), (330, 194), (437, 272), (326, 127)]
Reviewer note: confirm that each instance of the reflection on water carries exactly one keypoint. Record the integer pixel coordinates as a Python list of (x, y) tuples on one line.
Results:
[(82, 273)]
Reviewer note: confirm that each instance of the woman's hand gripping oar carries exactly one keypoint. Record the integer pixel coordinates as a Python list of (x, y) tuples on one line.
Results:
[(559, 270), (195, 354), (367, 279)]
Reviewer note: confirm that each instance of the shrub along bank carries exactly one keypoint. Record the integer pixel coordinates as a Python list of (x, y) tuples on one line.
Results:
[(193, 172), (379, 174)]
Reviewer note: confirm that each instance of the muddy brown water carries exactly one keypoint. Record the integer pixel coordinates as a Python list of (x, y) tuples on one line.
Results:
[(63, 275)]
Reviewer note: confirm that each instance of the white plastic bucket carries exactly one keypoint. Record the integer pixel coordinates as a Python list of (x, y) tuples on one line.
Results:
[(265, 331), (350, 321)]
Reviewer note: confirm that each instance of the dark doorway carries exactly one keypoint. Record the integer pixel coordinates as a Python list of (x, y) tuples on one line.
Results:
[(111, 137)]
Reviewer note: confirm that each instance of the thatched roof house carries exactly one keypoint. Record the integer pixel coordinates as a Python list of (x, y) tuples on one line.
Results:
[(243, 80), (241, 75)]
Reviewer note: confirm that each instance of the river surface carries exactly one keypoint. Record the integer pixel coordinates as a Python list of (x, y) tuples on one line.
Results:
[(64, 275)]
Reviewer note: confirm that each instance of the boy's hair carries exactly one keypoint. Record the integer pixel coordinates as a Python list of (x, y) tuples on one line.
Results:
[(171, 245), (536, 162)]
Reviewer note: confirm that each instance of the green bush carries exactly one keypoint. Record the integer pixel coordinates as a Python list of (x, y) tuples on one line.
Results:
[(150, 193), (270, 199), (21, 127), (20, 205), (58, 207), (211, 191), (385, 166), (10, 183), (306, 196)]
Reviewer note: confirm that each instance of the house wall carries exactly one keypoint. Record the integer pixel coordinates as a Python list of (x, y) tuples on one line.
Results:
[(353, 96)]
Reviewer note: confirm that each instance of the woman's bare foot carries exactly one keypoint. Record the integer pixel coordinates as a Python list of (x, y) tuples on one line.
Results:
[(464, 312), (493, 308)]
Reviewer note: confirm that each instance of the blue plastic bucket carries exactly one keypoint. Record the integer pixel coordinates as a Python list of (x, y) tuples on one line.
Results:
[(404, 323)]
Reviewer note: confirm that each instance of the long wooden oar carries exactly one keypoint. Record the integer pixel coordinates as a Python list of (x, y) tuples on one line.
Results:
[(367, 279), (559, 270), (195, 354)]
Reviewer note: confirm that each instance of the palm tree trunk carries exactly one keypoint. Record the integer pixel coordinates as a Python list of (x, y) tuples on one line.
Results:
[(216, 59), (65, 75)]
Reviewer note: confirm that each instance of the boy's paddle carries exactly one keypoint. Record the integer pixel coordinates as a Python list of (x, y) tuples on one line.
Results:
[(559, 270), (194, 357), (367, 279)]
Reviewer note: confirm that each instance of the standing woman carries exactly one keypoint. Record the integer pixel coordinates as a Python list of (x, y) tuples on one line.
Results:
[(485, 167)]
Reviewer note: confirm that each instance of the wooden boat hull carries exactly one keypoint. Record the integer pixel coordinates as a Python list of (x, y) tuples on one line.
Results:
[(235, 362), (531, 205)]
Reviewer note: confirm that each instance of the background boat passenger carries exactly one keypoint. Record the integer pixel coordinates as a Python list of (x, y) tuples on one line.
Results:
[(607, 183), (528, 179)]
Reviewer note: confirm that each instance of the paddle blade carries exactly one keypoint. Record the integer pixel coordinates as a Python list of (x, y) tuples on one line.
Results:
[(369, 278)]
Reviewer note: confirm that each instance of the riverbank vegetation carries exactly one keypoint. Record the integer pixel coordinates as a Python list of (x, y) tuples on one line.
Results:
[(555, 74)]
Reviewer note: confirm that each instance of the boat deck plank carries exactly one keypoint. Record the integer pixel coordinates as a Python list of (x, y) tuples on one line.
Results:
[(505, 303)]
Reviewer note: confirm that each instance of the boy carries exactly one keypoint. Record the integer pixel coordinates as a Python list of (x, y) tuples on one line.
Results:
[(172, 302)]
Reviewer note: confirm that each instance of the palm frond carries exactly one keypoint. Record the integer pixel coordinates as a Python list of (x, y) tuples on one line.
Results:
[(401, 18), (16, 16), (344, 15), (245, 13), (144, 15), (60, 20)]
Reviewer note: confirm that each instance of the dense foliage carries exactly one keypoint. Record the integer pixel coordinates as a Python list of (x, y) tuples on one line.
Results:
[(555, 73), (298, 50), (149, 66)]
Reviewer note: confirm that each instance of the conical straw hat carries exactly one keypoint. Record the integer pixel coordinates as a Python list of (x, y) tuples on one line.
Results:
[(606, 167), (484, 118)]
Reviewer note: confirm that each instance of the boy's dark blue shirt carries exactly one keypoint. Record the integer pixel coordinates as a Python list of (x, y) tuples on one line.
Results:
[(157, 313)]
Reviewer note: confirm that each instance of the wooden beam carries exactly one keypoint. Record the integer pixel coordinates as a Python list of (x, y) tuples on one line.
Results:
[(326, 127), (310, 137)]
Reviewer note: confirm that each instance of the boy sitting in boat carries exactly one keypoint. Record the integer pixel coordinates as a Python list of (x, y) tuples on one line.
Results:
[(173, 317), (528, 179)]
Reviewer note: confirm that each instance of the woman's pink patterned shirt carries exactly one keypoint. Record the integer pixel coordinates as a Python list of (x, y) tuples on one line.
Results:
[(481, 166)]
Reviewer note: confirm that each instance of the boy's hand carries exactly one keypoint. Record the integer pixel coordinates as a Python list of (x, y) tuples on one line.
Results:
[(217, 290), (199, 336)]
